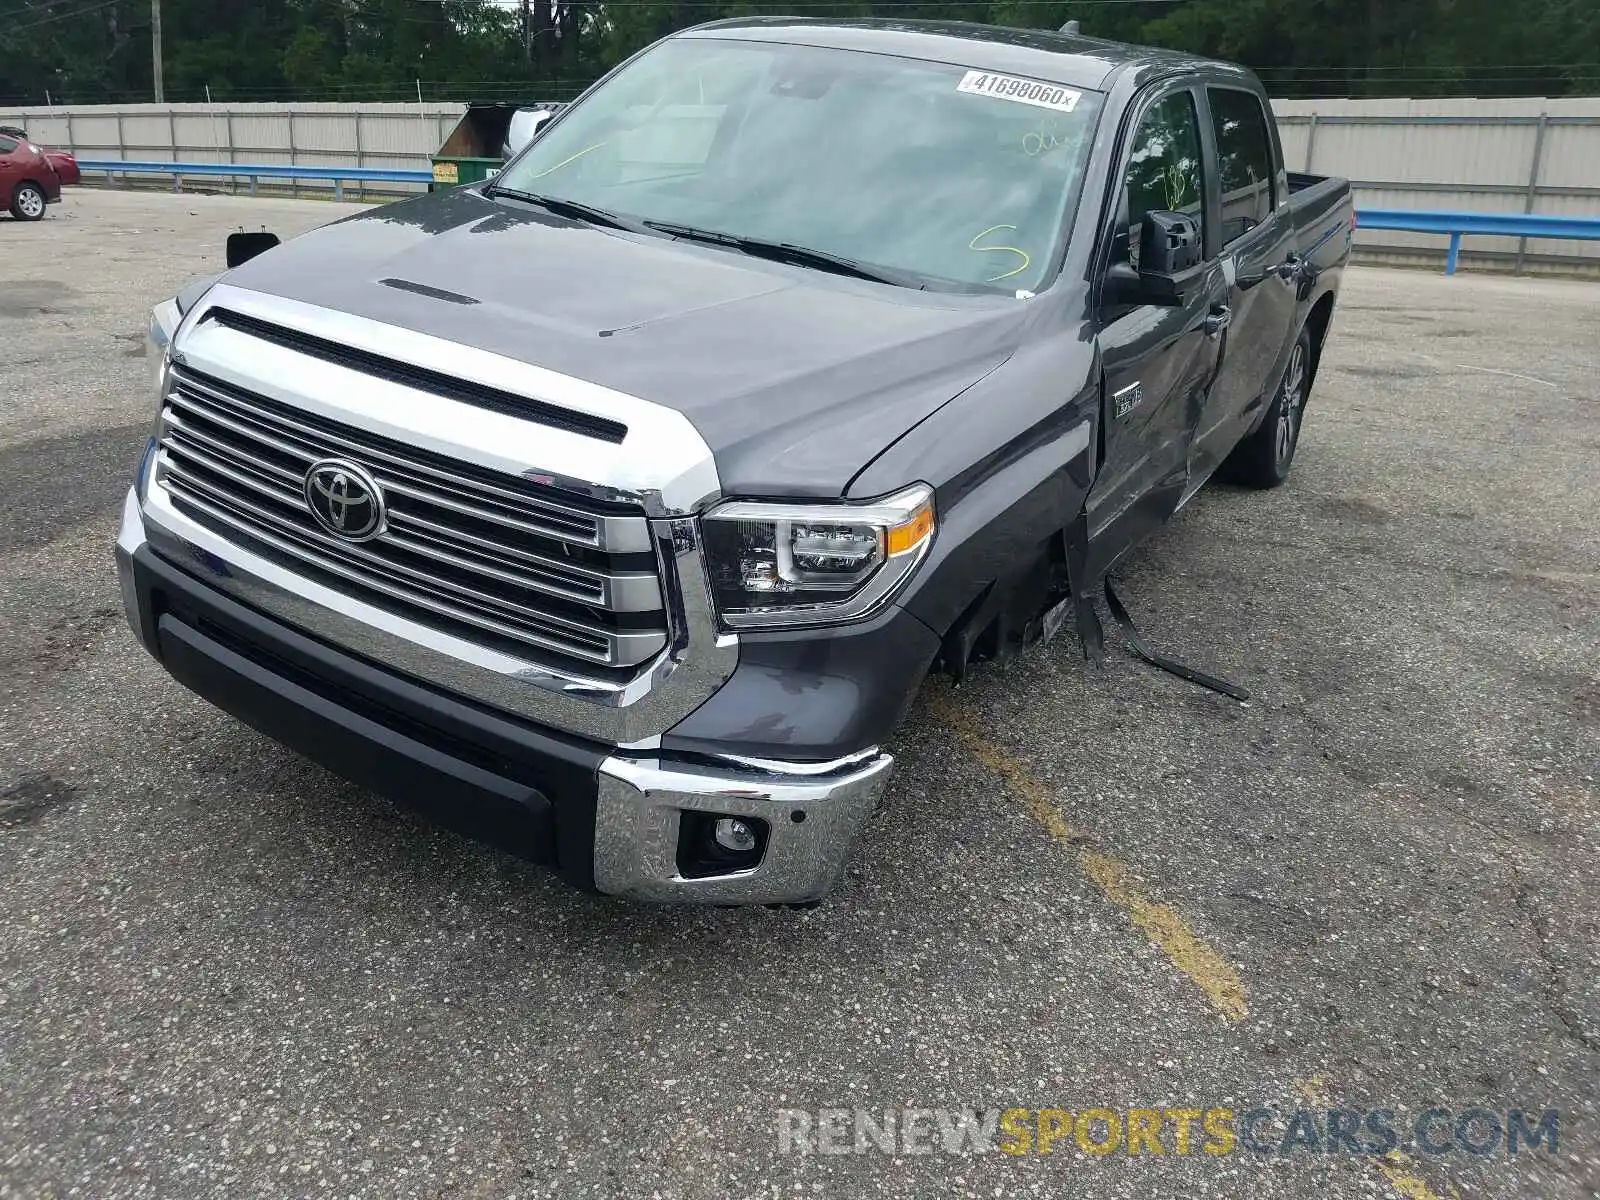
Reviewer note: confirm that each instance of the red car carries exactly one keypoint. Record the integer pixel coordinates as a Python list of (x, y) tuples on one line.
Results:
[(66, 166), (27, 180)]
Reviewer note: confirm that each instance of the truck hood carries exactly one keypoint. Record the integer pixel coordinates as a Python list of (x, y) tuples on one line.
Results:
[(797, 379)]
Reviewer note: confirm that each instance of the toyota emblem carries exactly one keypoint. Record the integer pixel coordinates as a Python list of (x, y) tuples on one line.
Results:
[(344, 499)]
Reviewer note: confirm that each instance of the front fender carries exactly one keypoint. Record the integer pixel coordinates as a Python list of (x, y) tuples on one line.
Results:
[(1011, 461)]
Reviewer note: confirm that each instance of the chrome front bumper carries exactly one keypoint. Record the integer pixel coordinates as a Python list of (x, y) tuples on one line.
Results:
[(814, 812), (814, 820)]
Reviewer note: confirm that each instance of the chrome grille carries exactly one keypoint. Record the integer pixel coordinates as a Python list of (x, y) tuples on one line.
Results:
[(465, 545)]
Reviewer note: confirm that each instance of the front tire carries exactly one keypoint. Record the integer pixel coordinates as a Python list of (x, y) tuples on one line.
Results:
[(1263, 459), (27, 202)]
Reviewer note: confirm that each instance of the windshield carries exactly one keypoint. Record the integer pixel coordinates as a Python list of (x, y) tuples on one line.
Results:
[(954, 176)]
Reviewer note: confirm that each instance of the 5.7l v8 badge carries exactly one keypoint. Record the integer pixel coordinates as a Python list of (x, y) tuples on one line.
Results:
[(1127, 399)]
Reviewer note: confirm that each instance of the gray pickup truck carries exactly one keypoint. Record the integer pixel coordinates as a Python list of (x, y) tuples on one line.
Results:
[(616, 508)]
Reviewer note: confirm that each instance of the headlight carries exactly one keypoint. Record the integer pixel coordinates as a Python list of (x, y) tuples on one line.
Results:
[(814, 564), (164, 319)]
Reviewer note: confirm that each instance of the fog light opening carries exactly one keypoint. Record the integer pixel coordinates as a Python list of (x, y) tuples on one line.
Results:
[(719, 844)]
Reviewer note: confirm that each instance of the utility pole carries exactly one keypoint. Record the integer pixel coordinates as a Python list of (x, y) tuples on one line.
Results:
[(527, 32), (155, 49)]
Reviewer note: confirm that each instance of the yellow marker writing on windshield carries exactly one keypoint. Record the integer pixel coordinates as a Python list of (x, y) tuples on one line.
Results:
[(1023, 254), (1037, 141), (568, 159)]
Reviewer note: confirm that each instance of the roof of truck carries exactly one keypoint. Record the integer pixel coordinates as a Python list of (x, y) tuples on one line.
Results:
[(1065, 58)]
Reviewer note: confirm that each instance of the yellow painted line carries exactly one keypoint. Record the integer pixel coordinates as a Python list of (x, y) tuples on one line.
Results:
[(1162, 924), (1394, 1166), (1394, 1169), (1035, 796)]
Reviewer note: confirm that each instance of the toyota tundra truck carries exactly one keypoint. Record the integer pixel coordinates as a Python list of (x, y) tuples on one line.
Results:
[(622, 503)]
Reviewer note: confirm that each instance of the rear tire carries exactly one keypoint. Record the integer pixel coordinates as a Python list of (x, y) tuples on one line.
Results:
[(27, 202), (1263, 459)]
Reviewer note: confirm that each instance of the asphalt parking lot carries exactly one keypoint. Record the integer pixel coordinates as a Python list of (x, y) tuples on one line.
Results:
[(226, 973)]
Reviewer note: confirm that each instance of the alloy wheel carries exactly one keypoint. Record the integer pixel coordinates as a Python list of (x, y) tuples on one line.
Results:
[(1294, 386)]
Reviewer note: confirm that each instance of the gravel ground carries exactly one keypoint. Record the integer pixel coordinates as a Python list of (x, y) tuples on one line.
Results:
[(226, 973)]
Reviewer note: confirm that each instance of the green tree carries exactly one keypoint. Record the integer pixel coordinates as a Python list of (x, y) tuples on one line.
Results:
[(460, 49)]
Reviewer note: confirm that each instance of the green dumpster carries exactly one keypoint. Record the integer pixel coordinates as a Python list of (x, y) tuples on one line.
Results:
[(475, 148)]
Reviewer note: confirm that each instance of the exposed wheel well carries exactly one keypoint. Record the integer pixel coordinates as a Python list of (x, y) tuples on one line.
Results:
[(1317, 322)]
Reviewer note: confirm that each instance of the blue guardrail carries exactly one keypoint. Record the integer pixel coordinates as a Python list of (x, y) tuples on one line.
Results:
[(1456, 225), (253, 171)]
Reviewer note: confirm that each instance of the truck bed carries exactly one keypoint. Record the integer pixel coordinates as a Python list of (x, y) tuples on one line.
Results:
[(1314, 194), (1323, 207)]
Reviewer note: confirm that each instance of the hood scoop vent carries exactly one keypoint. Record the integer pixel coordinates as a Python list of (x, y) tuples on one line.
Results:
[(432, 293)]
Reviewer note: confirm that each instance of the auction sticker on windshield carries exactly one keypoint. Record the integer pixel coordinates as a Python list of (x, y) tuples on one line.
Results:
[(1023, 91)]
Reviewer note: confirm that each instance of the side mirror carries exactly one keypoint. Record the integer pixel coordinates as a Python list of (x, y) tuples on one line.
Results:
[(242, 247), (1170, 250), (1169, 243), (524, 127)]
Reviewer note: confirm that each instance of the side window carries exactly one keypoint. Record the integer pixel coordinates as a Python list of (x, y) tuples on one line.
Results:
[(1163, 170), (1244, 160), (7, 145)]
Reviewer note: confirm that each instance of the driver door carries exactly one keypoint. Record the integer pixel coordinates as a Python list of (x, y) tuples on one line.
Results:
[(1158, 360)]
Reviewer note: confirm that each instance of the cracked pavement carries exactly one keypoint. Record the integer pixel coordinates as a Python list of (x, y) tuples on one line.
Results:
[(224, 973)]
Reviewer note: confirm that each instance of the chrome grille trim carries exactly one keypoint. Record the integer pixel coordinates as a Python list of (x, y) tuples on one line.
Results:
[(443, 608), (190, 489), (490, 557), (617, 535), (629, 592)]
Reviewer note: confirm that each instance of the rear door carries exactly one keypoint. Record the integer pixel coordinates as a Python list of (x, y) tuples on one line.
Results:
[(1158, 361), (1256, 228)]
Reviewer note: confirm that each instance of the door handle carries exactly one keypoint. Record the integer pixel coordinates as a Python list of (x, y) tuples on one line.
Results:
[(1289, 271), (1220, 317)]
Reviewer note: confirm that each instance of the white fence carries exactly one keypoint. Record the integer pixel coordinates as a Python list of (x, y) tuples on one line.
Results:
[(359, 135), (1520, 155), (1517, 156)]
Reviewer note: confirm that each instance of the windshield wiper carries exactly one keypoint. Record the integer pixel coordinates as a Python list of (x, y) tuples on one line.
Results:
[(566, 208), (787, 252)]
